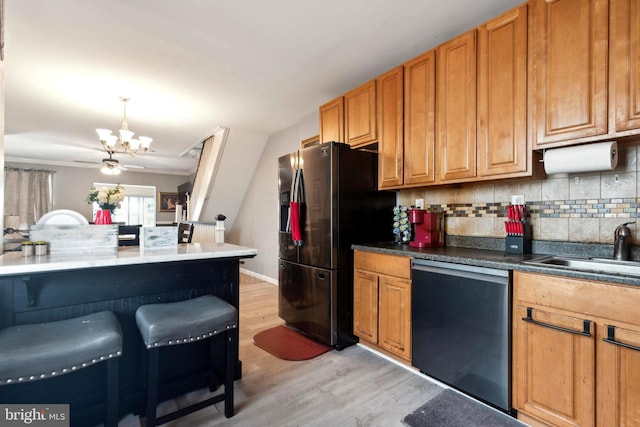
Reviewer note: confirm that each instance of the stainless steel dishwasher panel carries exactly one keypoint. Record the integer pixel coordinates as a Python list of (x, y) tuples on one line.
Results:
[(461, 331)]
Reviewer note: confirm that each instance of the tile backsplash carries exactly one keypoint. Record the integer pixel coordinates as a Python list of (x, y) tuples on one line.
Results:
[(580, 207)]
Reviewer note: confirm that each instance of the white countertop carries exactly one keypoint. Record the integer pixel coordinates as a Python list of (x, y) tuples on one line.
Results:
[(14, 263)]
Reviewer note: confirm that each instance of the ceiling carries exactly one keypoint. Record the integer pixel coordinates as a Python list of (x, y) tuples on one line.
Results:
[(191, 66)]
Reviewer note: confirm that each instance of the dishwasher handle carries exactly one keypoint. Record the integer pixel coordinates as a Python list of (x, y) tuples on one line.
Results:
[(459, 270)]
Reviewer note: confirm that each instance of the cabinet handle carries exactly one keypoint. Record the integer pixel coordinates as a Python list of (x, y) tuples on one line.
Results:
[(585, 332), (611, 339)]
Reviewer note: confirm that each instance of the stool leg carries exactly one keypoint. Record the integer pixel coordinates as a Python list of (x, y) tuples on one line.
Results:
[(152, 387), (112, 409), (214, 384), (229, 373), (144, 374)]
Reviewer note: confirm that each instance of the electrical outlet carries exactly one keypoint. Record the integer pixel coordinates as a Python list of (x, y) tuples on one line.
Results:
[(517, 199), (419, 203)]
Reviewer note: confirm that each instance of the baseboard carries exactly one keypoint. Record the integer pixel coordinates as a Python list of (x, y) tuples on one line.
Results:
[(259, 276)]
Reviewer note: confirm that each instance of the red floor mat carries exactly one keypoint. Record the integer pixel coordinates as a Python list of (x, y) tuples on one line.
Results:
[(288, 344)]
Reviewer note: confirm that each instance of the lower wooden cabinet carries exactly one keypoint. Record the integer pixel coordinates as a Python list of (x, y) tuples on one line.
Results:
[(576, 355), (556, 372), (618, 374), (382, 302)]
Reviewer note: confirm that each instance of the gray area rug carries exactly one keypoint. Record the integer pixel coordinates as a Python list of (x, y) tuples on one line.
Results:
[(452, 409)]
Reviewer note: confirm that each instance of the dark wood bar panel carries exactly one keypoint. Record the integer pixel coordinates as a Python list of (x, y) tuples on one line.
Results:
[(33, 297)]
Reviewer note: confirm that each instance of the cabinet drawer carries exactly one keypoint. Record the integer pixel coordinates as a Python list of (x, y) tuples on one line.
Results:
[(391, 265), (610, 301)]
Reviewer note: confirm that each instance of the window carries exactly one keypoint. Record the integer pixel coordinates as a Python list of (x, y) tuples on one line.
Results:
[(28, 195), (138, 206)]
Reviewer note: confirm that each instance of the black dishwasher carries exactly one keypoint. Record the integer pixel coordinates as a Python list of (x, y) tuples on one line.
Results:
[(461, 332)]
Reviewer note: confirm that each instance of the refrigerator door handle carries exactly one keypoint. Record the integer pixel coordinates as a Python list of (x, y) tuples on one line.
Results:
[(295, 208), (294, 196)]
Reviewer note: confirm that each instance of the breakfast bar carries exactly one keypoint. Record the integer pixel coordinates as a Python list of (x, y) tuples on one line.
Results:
[(55, 287)]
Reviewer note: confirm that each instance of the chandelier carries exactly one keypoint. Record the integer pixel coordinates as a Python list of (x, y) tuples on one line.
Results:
[(124, 141)]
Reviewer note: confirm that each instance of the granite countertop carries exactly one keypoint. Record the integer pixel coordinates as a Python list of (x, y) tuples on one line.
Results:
[(491, 259), (14, 263)]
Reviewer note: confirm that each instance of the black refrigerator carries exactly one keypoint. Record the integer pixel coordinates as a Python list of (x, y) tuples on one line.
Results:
[(328, 201)]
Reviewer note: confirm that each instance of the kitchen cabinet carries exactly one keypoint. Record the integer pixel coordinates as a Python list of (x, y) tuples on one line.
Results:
[(625, 34), (406, 122), (568, 71), (456, 108), (420, 119), (332, 121), (360, 115), (458, 113), (382, 302), (365, 308), (618, 374), (576, 351), (503, 149), (390, 119)]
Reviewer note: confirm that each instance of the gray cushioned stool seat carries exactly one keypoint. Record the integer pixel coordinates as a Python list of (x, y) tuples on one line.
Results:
[(185, 321), (38, 351)]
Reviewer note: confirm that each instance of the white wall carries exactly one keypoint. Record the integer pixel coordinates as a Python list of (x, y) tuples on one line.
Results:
[(238, 161), (257, 223), (71, 185)]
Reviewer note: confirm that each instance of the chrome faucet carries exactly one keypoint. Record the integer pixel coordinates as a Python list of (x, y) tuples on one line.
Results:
[(621, 243)]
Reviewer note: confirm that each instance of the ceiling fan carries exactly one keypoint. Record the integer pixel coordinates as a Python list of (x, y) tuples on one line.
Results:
[(111, 166)]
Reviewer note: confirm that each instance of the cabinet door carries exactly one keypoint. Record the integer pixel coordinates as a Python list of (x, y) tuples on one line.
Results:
[(456, 114), (365, 306), (395, 316), (626, 62), (390, 114), (502, 95), (360, 114), (569, 56), (554, 368), (420, 119), (332, 121), (618, 375)]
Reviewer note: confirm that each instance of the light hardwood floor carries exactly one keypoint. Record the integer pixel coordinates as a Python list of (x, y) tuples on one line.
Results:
[(352, 387)]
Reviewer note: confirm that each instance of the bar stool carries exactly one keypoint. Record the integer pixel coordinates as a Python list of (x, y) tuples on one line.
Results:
[(44, 350), (180, 323)]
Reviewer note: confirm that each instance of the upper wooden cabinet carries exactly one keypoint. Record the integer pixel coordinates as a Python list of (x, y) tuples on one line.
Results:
[(360, 115), (390, 119), (569, 57), (625, 35), (502, 147), (420, 119), (407, 152), (456, 108), (332, 121)]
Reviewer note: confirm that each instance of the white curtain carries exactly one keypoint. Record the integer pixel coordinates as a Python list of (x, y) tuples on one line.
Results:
[(27, 194)]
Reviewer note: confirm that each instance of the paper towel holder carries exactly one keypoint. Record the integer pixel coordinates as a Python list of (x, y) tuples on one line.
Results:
[(544, 150), (579, 149)]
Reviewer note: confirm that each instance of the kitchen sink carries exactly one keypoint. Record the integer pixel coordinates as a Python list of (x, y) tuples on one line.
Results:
[(603, 265)]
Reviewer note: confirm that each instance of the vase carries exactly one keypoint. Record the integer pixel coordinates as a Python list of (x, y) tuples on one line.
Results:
[(103, 216)]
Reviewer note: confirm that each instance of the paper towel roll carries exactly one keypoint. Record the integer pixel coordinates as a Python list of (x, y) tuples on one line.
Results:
[(582, 158), (178, 213)]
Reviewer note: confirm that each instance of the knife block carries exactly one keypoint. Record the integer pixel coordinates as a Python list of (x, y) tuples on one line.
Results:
[(519, 245)]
